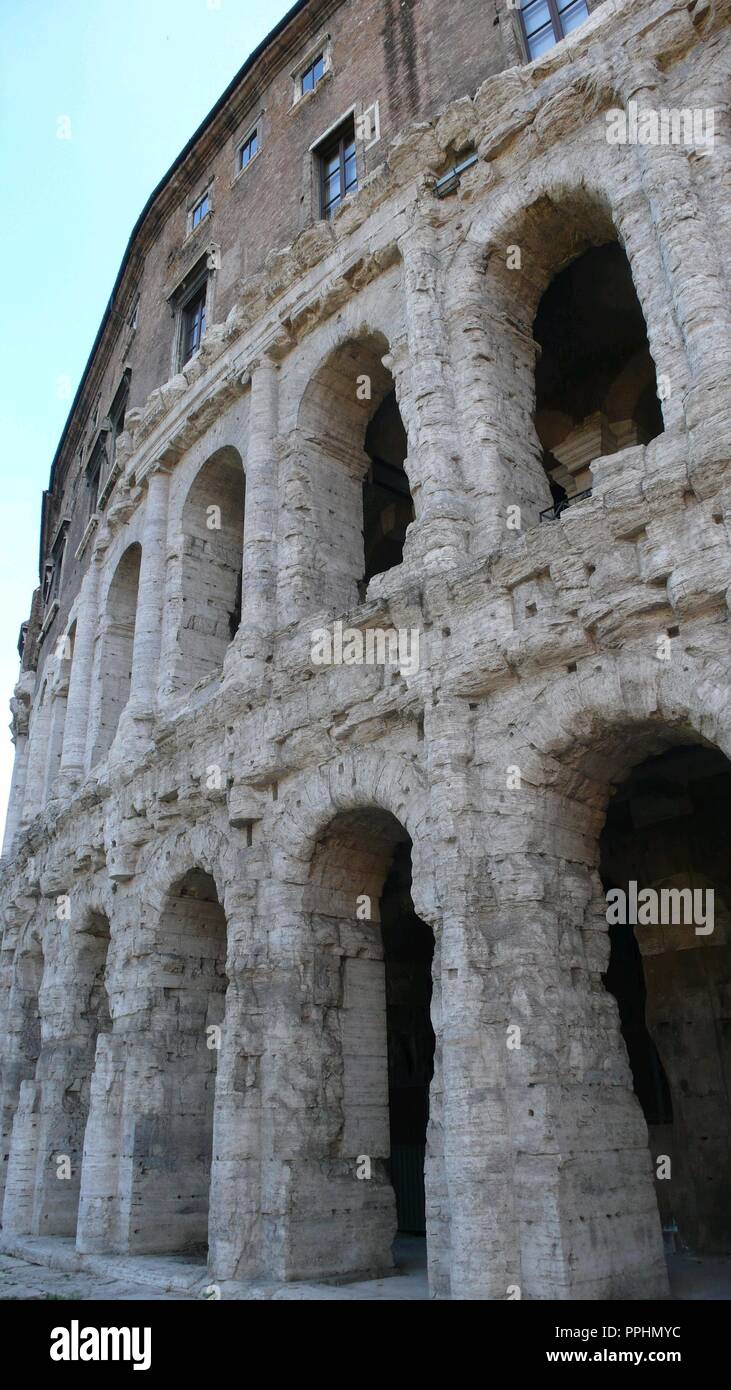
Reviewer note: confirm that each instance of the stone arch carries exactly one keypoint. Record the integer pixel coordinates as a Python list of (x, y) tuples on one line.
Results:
[(517, 245), (376, 312), (206, 583), (591, 333), (522, 261), (347, 783), (587, 731), (153, 1089), (335, 837), (114, 650), (209, 844), (353, 442)]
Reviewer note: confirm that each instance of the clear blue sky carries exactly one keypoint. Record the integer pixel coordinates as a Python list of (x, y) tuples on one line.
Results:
[(135, 79)]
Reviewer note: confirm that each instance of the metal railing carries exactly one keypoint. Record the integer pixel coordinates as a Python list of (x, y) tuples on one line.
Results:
[(553, 513)]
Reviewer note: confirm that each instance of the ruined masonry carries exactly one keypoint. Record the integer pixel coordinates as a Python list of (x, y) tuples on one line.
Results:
[(300, 958)]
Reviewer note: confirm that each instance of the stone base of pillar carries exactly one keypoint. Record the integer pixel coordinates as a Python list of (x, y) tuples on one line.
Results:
[(329, 1224), (20, 1182), (587, 1216), (134, 734)]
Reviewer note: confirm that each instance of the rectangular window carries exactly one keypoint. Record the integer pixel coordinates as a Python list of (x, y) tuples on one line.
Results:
[(338, 171), (545, 22), (311, 75), (249, 148), (201, 210), (194, 323)]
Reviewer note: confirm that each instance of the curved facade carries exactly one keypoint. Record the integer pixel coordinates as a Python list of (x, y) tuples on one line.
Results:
[(382, 633)]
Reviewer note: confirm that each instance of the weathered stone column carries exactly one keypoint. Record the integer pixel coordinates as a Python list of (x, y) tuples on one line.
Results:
[(478, 387), (73, 752), (22, 1041), (39, 728), (235, 1214), (476, 1256), (17, 790), (585, 1212), (695, 276), (45, 1163), (135, 720), (20, 707), (254, 639), (429, 408), (298, 590), (59, 706)]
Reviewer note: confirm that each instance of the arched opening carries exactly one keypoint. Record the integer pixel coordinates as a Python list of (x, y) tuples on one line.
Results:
[(666, 870), (173, 1146), (596, 387), (70, 1068), (116, 645), (212, 559), (360, 503), (560, 315), (388, 510), (376, 955)]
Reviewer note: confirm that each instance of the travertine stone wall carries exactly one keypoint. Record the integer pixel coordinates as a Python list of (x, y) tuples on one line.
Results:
[(224, 823)]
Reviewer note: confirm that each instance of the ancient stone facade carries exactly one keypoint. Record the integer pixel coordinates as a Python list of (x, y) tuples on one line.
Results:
[(283, 932)]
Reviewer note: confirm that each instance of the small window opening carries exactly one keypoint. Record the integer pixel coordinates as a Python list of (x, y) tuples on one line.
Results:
[(194, 323), (201, 210), (312, 74), (249, 148)]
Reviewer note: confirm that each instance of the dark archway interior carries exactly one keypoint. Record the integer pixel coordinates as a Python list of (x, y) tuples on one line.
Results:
[(408, 947), (387, 506), (596, 386), (668, 828)]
